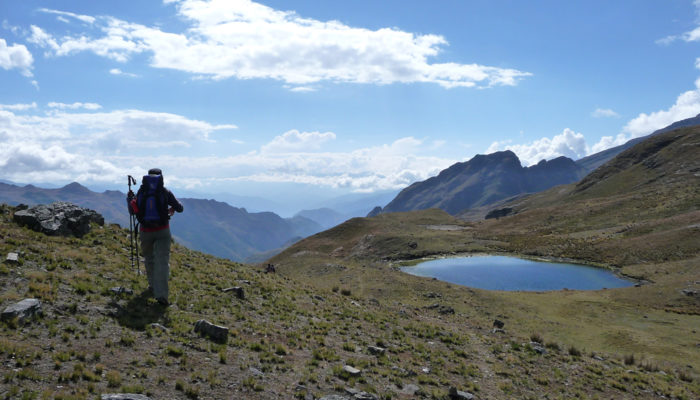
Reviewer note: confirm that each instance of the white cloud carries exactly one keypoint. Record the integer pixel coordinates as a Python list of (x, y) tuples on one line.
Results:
[(243, 39), (17, 107), (300, 89), (604, 113), (84, 18), (103, 146), (117, 71), (64, 146), (297, 141), (74, 106), (568, 143), (687, 105), (16, 56)]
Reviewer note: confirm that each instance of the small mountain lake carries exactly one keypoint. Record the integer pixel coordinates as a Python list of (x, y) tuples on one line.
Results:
[(512, 273)]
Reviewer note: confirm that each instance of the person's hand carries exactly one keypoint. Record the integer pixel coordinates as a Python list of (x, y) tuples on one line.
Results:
[(130, 195), (171, 211)]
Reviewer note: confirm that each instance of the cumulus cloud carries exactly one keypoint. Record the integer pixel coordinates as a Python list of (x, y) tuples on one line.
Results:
[(67, 145), (244, 40), (389, 166), (16, 56), (74, 106), (87, 145), (687, 105), (604, 113), (568, 143)]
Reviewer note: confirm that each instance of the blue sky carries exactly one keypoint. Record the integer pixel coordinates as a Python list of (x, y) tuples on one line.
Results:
[(301, 100)]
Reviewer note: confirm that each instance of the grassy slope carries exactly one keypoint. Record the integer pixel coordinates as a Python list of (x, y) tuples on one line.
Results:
[(91, 341), (639, 216)]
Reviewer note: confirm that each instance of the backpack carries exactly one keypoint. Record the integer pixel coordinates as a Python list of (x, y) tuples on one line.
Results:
[(152, 202)]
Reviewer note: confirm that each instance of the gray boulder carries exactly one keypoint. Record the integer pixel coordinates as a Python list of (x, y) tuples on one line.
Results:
[(460, 395), (124, 396), (23, 310), (333, 397), (216, 332), (59, 218)]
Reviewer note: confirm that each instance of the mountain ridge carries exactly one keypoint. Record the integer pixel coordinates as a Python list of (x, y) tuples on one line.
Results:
[(482, 180)]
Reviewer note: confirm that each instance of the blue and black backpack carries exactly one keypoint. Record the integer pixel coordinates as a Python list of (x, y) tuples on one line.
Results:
[(152, 202)]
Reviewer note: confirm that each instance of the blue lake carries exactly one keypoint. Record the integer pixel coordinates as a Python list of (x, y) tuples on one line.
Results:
[(512, 273)]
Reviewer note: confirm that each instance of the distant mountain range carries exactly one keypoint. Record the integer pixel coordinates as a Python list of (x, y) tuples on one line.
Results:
[(488, 179), (207, 225)]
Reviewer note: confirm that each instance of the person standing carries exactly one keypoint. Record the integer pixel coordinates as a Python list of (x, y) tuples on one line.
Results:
[(153, 206)]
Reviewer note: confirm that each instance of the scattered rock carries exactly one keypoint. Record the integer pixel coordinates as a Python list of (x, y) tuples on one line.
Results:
[(60, 218), (687, 292), (256, 371), (23, 310), (459, 395), (352, 371), (216, 332), (412, 245), (376, 350), (319, 298), (270, 268), (498, 330), (538, 348), (365, 396), (12, 258), (433, 295), (159, 326), (498, 324), (334, 397), (124, 396), (442, 309), (425, 370), (410, 389), (121, 290), (238, 290)]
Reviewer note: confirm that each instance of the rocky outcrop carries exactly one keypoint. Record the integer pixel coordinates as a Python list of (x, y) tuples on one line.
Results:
[(59, 218), (23, 311)]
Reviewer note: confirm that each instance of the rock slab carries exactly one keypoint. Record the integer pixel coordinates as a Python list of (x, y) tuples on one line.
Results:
[(124, 396), (59, 219), (23, 310), (216, 332)]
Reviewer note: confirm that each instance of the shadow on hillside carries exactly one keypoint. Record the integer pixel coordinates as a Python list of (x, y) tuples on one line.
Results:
[(139, 312)]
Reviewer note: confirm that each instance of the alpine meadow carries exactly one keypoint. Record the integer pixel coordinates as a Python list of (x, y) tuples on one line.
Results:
[(323, 200)]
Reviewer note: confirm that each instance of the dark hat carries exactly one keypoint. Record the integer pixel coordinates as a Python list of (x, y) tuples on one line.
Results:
[(155, 171)]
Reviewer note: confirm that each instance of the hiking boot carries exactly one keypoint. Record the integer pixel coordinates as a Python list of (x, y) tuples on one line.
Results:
[(163, 301)]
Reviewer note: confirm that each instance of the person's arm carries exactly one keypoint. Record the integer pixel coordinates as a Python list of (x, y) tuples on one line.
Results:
[(174, 203)]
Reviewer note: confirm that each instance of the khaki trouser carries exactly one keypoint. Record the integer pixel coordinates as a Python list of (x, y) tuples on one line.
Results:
[(155, 247)]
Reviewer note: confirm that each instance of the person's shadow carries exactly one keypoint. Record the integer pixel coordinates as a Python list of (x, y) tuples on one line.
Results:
[(140, 311)]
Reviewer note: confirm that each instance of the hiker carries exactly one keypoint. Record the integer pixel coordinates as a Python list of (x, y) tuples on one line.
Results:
[(150, 205)]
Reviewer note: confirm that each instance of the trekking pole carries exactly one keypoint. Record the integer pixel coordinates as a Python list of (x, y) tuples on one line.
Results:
[(133, 228)]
